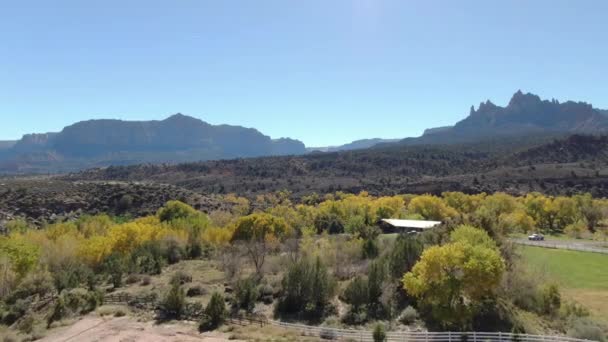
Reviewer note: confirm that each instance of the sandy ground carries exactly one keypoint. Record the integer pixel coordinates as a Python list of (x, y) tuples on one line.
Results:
[(128, 329)]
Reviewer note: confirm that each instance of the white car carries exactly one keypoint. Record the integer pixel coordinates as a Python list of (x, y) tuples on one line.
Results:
[(536, 237)]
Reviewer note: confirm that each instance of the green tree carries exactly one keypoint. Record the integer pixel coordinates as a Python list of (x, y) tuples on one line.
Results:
[(245, 294), (115, 265), (405, 253), (174, 302), (307, 288), (356, 294), (215, 313), (376, 276)]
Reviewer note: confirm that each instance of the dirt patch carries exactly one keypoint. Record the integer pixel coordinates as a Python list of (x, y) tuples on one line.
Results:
[(129, 329)]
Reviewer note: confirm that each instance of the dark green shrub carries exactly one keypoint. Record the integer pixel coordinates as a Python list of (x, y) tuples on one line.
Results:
[(115, 266), (356, 294), (173, 253), (15, 311), (79, 301), (330, 222), (245, 294), (375, 281), (195, 291), (307, 288), (59, 311), (370, 249), (174, 302), (379, 333), (403, 256), (70, 275), (148, 258), (215, 313)]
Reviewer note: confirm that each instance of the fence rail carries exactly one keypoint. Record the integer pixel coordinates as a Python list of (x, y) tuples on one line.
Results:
[(396, 336), (362, 335), (567, 246)]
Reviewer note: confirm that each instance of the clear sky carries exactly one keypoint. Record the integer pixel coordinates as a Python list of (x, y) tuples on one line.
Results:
[(322, 71)]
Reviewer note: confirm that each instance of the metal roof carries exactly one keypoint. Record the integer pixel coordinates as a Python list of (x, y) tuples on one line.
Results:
[(419, 224)]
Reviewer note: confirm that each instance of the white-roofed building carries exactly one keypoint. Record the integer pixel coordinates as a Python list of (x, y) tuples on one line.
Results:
[(398, 225)]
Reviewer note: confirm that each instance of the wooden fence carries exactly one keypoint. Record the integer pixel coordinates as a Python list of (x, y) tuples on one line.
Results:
[(194, 312)]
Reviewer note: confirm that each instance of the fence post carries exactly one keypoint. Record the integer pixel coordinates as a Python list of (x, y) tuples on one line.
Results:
[(474, 336), (449, 336), (500, 336)]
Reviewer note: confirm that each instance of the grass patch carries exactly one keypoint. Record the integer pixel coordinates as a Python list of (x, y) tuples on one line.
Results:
[(571, 269), (582, 276)]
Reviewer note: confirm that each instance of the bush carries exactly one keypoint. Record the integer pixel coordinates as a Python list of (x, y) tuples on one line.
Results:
[(173, 252), (132, 279), (34, 284), (379, 333), (215, 313), (550, 299), (181, 278), (148, 258), (370, 249), (195, 291), (70, 275), (174, 301), (405, 253), (16, 311), (115, 266), (409, 315), (245, 294), (576, 230), (327, 334), (26, 324), (307, 288), (146, 280), (59, 311), (79, 301), (356, 294), (586, 329)]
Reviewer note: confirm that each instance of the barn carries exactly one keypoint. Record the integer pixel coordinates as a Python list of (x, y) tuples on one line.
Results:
[(406, 226)]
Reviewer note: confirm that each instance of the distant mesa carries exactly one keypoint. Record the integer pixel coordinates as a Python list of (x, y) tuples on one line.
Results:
[(178, 138)]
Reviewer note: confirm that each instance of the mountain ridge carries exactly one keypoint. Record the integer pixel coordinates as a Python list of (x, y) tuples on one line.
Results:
[(524, 114), (177, 138)]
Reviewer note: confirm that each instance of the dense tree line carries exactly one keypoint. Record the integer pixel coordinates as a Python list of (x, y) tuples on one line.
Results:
[(332, 247)]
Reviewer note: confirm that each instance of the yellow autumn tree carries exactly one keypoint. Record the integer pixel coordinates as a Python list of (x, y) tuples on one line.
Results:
[(451, 280)]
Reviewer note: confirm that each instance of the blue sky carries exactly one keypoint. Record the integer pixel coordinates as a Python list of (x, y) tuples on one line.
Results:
[(325, 72)]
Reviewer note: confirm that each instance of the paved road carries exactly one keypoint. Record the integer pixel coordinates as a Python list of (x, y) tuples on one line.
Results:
[(574, 245)]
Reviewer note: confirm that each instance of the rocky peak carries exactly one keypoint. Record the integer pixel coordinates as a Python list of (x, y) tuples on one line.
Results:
[(520, 99)]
